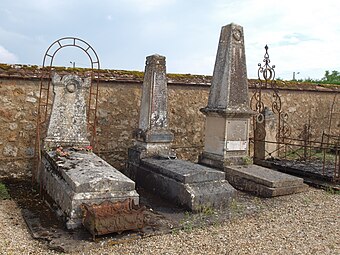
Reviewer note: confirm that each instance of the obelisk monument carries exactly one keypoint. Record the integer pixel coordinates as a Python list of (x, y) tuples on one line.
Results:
[(153, 134), (228, 112)]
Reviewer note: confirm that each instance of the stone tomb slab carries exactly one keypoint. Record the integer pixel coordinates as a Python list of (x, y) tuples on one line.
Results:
[(263, 181), (83, 177), (190, 185)]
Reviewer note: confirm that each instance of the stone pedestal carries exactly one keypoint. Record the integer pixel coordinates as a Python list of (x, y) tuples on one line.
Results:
[(228, 112)]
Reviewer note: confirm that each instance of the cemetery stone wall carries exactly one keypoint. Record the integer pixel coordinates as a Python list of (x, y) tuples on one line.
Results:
[(118, 113)]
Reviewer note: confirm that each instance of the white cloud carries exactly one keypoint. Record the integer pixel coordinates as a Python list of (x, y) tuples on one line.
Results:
[(302, 35), (7, 57)]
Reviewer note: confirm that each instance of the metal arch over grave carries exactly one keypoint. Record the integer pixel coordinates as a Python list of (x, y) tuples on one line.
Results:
[(292, 147), (68, 171), (45, 96)]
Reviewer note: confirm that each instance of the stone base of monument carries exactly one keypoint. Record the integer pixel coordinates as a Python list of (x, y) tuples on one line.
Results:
[(189, 185), (219, 162), (263, 181), (79, 177)]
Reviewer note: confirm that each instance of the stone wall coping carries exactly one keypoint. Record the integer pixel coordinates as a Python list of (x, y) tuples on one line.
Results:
[(34, 72)]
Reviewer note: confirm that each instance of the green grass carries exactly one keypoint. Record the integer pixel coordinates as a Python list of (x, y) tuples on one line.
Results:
[(332, 191), (3, 192), (311, 155)]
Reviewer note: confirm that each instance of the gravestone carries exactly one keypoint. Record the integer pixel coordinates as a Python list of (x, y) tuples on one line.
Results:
[(73, 174), (228, 112), (67, 126), (227, 123), (153, 135), (151, 163)]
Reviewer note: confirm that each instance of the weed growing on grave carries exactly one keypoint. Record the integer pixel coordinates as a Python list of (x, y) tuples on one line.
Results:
[(3, 192), (332, 191), (236, 207), (206, 210), (247, 160), (187, 222), (258, 202)]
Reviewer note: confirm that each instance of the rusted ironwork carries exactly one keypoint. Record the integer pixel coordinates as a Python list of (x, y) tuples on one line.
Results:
[(266, 80), (112, 217), (45, 95), (302, 148)]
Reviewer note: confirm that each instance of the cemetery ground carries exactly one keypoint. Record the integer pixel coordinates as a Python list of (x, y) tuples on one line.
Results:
[(303, 223)]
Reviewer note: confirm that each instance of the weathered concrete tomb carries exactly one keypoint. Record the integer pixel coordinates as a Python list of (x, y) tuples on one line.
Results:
[(72, 174), (227, 124), (152, 164)]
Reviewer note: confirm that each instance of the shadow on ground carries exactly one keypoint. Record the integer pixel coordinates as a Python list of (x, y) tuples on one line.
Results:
[(161, 217)]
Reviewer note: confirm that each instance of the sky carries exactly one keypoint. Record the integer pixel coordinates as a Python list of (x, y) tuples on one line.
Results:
[(303, 36)]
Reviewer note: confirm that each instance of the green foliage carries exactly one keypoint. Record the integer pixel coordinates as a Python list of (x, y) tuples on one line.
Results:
[(332, 77), (3, 192), (332, 191)]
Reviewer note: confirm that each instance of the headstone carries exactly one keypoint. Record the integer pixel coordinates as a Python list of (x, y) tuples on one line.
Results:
[(227, 120), (68, 125), (154, 167), (153, 135), (72, 174), (228, 112)]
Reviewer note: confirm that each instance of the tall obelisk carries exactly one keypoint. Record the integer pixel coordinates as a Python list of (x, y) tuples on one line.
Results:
[(228, 112)]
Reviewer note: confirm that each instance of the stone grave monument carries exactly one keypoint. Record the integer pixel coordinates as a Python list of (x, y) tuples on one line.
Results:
[(153, 134), (227, 123), (72, 173), (152, 164)]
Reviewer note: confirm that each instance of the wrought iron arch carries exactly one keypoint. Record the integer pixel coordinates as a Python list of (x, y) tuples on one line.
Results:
[(71, 42)]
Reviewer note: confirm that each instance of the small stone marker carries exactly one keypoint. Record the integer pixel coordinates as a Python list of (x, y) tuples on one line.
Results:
[(153, 135), (228, 112), (68, 125)]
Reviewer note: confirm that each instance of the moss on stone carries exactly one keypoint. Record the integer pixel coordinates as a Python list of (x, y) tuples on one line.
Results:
[(5, 67)]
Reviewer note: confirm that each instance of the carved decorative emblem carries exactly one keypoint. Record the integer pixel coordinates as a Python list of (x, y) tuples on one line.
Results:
[(237, 34), (71, 86)]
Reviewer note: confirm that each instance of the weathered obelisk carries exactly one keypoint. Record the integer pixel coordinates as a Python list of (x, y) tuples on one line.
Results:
[(228, 112), (153, 134)]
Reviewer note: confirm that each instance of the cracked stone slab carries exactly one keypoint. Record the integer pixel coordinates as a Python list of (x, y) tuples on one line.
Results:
[(86, 172)]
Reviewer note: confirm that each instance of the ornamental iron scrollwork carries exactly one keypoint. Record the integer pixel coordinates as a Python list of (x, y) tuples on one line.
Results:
[(266, 81)]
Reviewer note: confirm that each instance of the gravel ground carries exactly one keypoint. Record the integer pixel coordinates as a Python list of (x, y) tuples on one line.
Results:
[(305, 223)]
